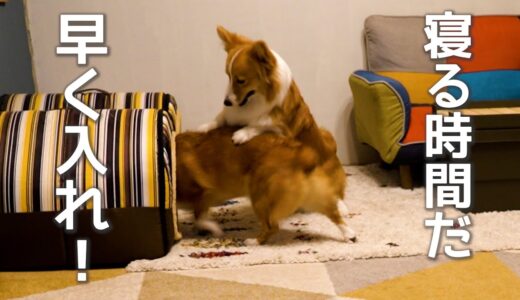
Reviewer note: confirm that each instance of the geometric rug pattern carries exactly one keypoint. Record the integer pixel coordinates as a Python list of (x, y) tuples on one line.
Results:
[(485, 275), (389, 222)]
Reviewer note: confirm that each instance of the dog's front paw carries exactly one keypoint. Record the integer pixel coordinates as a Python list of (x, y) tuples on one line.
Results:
[(208, 126), (349, 235), (245, 134), (343, 209), (210, 226)]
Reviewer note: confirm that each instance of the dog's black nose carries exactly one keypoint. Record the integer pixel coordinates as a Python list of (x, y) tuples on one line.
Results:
[(228, 102)]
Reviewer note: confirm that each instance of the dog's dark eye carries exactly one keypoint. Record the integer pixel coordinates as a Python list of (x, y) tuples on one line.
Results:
[(240, 81)]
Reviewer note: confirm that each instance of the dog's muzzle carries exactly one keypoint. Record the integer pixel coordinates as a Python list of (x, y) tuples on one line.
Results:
[(244, 101), (246, 98)]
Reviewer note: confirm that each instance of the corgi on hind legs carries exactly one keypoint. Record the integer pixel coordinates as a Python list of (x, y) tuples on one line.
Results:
[(263, 97)]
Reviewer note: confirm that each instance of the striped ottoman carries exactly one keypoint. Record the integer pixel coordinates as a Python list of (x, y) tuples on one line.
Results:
[(133, 137)]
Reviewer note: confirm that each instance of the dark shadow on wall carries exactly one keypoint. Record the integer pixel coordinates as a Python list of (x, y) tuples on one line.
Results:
[(15, 58), (361, 153), (358, 152)]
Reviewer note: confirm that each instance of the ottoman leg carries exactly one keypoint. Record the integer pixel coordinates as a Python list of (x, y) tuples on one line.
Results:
[(406, 177)]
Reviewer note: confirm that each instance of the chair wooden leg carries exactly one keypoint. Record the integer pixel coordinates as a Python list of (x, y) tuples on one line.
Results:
[(406, 177)]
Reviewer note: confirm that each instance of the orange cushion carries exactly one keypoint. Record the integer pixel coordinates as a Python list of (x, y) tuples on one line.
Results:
[(417, 130), (495, 44), (416, 84)]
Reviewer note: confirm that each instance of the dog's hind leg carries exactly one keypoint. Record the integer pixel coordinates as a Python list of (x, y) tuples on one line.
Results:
[(270, 213), (332, 212), (267, 231), (278, 212), (261, 211)]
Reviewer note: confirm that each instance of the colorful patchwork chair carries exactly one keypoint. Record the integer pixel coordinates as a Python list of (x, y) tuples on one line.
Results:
[(391, 98)]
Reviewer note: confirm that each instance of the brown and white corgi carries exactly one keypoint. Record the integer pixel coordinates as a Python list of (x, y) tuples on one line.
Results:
[(279, 174), (262, 96)]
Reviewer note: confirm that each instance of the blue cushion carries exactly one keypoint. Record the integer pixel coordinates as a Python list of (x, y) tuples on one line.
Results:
[(490, 85)]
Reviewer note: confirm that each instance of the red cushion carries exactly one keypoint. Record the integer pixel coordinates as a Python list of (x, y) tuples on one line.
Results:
[(417, 130), (495, 44)]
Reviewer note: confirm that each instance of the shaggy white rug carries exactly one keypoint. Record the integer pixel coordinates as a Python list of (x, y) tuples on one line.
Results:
[(389, 222)]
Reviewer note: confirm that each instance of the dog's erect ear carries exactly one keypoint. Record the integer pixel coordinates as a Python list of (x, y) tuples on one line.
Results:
[(231, 39), (260, 51)]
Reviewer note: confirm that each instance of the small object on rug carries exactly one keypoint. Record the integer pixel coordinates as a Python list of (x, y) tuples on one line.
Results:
[(228, 220), (212, 254), (222, 211), (215, 243), (456, 224), (303, 237), (307, 251), (236, 229), (392, 244)]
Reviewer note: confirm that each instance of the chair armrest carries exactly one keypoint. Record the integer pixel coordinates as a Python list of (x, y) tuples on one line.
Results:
[(381, 112)]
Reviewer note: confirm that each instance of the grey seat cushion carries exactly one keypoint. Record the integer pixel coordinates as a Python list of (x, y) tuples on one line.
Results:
[(397, 44)]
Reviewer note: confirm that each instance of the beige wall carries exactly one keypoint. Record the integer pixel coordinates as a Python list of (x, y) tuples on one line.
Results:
[(171, 45)]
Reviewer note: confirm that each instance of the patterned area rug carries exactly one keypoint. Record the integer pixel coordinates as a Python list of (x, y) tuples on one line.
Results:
[(389, 222), (414, 277)]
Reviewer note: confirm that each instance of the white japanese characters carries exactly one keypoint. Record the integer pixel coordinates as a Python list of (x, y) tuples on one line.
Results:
[(448, 35), (85, 33), (448, 184), (81, 35), (443, 132), (72, 205), (437, 224), (73, 87), (83, 147), (442, 97)]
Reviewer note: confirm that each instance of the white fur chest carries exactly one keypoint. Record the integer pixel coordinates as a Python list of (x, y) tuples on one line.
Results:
[(250, 113)]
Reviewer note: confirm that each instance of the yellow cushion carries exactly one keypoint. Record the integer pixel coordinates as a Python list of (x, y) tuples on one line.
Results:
[(379, 116)]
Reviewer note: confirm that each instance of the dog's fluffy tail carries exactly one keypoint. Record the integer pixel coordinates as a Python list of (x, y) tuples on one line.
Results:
[(308, 157), (328, 140)]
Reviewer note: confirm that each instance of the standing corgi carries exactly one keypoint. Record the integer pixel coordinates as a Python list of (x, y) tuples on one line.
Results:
[(278, 174)]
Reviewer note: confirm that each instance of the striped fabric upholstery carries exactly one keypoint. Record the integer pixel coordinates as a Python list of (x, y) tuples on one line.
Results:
[(134, 145), (96, 100)]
